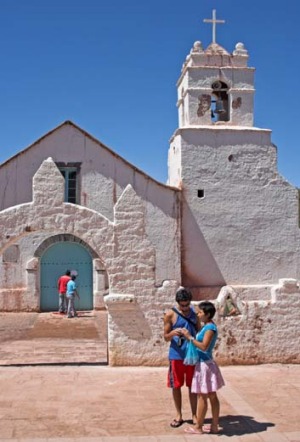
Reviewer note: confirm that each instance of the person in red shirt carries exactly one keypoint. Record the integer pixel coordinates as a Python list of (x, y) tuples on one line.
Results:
[(62, 289)]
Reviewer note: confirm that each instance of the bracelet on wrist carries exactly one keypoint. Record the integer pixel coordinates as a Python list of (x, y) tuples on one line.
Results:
[(192, 338)]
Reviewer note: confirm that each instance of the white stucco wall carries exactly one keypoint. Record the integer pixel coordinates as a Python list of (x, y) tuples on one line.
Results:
[(103, 177), (266, 331), (246, 228), (135, 304)]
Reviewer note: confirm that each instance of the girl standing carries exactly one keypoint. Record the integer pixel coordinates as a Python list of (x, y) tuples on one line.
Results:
[(207, 377)]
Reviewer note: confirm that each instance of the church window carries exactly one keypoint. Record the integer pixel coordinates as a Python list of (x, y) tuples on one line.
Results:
[(70, 172), (200, 193), (219, 102)]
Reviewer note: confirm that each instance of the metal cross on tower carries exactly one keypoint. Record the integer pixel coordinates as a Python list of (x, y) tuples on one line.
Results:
[(214, 21)]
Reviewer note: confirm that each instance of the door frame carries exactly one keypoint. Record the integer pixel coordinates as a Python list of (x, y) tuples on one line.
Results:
[(100, 274)]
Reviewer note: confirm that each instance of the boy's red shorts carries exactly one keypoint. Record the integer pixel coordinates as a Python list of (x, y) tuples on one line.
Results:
[(178, 373)]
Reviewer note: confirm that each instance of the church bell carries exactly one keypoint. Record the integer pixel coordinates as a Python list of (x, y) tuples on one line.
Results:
[(219, 107)]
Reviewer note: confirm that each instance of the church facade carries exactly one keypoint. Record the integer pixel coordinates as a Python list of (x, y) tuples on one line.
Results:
[(226, 224)]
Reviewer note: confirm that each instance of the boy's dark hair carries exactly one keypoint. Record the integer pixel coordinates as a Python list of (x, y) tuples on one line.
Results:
[(208, 308), (68, 272), (183, 294)]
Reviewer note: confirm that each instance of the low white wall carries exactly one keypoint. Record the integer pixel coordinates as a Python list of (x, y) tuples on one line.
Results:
[(267, 330)]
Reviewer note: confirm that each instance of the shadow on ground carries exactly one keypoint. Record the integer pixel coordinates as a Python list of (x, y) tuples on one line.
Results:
[(239, 425)]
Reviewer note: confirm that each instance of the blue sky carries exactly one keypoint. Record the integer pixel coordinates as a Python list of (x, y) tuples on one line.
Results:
[(111, 67)]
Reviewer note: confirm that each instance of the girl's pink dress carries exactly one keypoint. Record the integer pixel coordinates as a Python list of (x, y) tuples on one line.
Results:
[(207, 375)]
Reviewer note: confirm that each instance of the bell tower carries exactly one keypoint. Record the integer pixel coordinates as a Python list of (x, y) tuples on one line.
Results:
[(227, 171), (216, 87)]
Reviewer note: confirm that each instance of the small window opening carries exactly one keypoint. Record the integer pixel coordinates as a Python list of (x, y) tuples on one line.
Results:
[(200, 193), (70, 174), (219, 102)]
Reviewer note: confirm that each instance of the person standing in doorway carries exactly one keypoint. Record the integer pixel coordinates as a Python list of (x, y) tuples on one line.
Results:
[(62, 290), (71, 293), (182, 317)]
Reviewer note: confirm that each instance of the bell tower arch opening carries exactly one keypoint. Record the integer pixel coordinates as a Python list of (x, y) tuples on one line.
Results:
[(219, 102)]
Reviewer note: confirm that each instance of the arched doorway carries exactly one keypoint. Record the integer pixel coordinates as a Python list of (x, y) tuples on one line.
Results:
[(56, 259)]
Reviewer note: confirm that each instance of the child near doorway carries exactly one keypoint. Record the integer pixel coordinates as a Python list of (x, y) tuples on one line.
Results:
[(62, 289), (71, 293)]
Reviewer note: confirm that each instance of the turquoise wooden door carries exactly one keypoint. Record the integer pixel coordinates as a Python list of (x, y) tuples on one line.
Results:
[(55, 261)]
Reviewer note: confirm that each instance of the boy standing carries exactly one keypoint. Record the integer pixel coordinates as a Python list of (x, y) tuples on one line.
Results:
[(71, 293), (175, 320)]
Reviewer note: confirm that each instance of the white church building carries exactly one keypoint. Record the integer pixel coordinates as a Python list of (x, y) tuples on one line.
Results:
[(226, 224)]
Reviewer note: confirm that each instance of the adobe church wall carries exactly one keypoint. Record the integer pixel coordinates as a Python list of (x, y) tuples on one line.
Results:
[(244, 229), (265, 330), (103, 178), (14, 294), (135, 304)]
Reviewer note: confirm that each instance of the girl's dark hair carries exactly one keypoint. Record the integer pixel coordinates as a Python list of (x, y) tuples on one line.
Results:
[(208, 308), (183, 294)]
